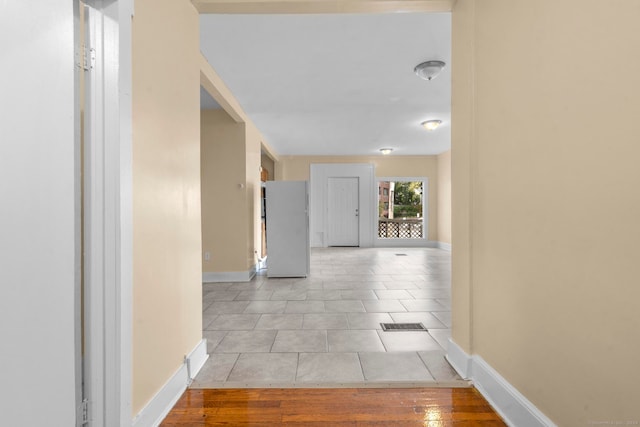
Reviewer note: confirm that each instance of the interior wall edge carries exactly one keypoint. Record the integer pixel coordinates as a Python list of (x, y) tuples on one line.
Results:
[(165, 399), (513, 406)]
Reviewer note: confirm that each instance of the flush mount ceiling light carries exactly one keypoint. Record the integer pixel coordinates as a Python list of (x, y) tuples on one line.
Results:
[(431, 124), (429, 70), (386, 151)]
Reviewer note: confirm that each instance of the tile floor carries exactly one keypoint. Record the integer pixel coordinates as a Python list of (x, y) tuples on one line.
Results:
[(324, 330)]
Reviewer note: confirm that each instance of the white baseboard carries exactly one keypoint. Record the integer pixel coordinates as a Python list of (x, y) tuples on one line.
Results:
[(444, 246), (509, 402), (405, 243), (197, 358), (160, 405), (228, 276), (459, 359), (513, 407)]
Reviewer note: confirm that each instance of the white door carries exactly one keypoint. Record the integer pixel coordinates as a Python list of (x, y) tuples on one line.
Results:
[(344, 214), (38, 239)]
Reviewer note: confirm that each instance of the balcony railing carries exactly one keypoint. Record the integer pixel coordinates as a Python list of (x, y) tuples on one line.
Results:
[(400, 228)]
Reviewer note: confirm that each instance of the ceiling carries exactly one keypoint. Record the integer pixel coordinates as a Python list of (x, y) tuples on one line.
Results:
[(336, 84)]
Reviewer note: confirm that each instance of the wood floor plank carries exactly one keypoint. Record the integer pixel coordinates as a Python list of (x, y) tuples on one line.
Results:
[(344, 407)]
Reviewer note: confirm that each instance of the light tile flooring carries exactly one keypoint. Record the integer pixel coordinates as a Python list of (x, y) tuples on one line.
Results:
[(324, 330)]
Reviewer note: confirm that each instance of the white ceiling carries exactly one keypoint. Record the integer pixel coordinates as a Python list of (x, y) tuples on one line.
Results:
[(336, 84)]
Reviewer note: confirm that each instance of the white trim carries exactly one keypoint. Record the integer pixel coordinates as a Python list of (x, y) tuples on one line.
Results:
[(78, 320), (459, 359), (228, 276), (124, 251), (108, 215), (412, 243), (160, 405), (97, 244), (108, 198), (444, 246), (405, 243), (197, 358), (513, 407)]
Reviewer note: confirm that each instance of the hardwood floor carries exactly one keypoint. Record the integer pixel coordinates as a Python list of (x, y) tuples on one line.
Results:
[(431, 407)]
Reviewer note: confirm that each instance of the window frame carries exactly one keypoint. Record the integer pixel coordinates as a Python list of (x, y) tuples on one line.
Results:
[(421, 241)]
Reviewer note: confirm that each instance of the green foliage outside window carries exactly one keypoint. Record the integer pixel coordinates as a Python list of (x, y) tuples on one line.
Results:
[(408, 211), (407, 199), (408, 193)]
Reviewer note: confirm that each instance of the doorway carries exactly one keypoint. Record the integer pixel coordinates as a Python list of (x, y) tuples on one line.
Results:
[(322, 205), (343, 211)]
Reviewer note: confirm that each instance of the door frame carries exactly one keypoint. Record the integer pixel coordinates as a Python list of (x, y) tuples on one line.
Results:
[(329, 237), (422, 242), (108, 217), (318, 200)]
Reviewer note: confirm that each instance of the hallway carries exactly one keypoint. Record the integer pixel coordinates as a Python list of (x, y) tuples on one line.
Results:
[(325, 330)]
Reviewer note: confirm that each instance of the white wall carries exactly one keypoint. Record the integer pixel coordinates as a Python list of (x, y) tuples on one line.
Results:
[(37, 187), (320, 174)]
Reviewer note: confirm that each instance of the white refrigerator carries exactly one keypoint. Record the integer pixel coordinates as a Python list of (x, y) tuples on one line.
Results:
[(287, 222)]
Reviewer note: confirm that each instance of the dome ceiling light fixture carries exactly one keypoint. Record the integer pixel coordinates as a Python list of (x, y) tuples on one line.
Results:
[(429, 70), (386, 151), (431, 124)]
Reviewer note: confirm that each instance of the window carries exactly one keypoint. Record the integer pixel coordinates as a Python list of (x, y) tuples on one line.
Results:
[(400, 209)]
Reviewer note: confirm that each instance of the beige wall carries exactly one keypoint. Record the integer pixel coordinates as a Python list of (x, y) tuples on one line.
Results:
[(463, 123), (296, 168), (167, 299), (231, 192), (444, 197), (267, 163), (225, 216), (545, 161)]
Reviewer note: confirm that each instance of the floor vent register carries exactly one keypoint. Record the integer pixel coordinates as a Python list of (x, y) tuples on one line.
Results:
[(400, 327)]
